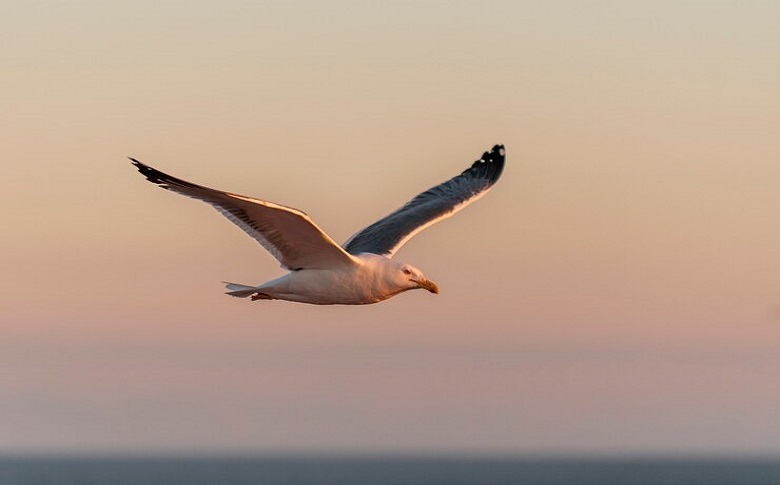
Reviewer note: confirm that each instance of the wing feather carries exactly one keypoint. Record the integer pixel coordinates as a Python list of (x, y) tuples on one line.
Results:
[(388, 234), (287, 233)]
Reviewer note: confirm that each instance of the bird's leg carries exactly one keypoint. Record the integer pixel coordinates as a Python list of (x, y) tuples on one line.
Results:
[(261, 296)]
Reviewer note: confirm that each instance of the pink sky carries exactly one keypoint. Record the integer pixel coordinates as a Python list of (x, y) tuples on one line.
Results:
[(618, 291)]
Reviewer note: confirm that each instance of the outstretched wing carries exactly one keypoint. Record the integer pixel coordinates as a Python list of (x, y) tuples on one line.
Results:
[(287, 233), (387, 235)]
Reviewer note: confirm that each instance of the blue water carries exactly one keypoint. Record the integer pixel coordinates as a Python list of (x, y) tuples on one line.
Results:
[(382, 471)]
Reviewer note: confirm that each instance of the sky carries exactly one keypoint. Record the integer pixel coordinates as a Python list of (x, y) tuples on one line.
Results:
[(617, 292)]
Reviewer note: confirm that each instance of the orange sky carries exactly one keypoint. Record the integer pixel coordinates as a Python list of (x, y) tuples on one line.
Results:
[(618, 291)]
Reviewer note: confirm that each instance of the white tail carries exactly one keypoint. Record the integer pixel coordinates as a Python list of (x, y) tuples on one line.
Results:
[(241, 291)]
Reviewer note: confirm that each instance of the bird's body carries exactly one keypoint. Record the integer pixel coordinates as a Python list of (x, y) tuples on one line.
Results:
[(366, 281), (321, 271)]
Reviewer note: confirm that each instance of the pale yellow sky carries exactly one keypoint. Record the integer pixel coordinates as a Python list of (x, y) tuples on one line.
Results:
[(618, 291)]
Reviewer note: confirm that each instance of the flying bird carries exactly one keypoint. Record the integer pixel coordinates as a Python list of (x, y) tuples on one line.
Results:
[(321, 272)]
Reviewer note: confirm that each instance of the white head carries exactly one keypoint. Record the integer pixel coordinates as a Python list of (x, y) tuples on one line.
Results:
[(406, 277)]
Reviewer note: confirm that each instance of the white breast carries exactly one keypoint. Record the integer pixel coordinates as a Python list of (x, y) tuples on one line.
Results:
[(357, 284)]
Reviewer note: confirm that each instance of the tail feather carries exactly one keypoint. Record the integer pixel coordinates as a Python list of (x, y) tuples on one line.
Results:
[(241, 291)]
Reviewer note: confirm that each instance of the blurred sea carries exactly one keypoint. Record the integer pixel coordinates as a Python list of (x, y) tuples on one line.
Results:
[(382, 471)]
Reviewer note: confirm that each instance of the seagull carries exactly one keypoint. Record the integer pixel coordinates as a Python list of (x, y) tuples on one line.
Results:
[(321, 272)]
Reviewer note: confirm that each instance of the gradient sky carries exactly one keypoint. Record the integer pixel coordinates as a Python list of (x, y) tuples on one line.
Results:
[(617, 292)]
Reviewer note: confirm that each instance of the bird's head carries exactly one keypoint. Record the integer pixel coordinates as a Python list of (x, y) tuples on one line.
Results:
[(407, 277)]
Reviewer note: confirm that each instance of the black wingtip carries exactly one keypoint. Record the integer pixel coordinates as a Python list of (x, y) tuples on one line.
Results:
[(155, 176), (138, 164), (490, 166), (151, 174), (497, 152), (162, 179)]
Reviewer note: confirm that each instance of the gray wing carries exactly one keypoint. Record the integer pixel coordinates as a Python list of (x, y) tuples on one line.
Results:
[(387, 235), (287, 233)]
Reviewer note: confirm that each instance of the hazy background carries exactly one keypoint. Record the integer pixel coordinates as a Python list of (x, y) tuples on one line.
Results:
[(618, 291)]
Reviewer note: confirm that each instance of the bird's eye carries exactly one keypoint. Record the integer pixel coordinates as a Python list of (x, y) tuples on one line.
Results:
[(407, 271)]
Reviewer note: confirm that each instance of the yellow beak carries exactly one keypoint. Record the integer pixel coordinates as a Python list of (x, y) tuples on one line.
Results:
[(428, 285)]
